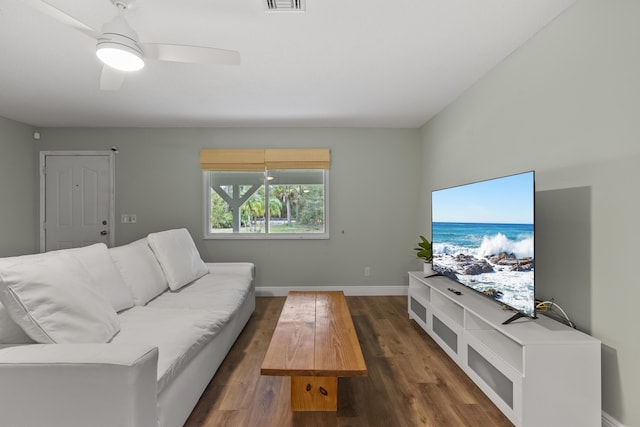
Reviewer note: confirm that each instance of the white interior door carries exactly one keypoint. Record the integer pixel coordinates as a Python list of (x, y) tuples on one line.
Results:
[(76, 200)]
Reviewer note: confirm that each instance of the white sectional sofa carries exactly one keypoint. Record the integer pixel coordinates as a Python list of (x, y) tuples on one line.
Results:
[(127, 336)]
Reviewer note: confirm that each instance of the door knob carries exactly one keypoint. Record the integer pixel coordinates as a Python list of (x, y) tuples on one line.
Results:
[(104, 233)]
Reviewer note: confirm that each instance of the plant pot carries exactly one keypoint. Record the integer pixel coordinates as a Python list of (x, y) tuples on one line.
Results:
[(428, 268)]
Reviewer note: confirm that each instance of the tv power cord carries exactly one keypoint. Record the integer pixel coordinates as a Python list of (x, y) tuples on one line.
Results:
[(544, 306)]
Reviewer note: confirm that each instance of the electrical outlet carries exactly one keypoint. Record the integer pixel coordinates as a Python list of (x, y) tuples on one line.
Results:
[(367, 271)]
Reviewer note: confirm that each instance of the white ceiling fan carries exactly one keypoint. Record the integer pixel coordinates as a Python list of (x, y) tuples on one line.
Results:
[(119, 49)]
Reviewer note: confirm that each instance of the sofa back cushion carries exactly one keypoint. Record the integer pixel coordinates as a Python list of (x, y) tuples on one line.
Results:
[(48, 297), (10, 331), (107, 281), (178, 256), (140, 270)]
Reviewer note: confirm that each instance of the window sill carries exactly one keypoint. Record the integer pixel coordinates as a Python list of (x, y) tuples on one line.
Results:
[(248, 236)]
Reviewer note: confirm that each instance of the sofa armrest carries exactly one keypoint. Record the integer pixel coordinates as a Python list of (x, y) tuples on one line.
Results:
[(232, 268), (78, 385)]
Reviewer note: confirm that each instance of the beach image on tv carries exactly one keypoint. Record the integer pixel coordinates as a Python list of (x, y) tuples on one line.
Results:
[(483, 235)]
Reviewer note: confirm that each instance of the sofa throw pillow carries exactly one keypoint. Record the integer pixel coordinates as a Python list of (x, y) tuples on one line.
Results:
[(140, 270), (49, 299), (10, 331), (178, 256), (107, 281)]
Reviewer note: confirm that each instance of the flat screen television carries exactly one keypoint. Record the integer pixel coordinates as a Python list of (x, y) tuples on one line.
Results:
[(483, 237)]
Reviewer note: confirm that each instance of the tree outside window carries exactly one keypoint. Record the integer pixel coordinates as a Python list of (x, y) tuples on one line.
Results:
[(267, 204)]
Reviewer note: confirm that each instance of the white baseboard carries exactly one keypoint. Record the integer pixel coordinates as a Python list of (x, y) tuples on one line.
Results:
[(609, 421), (281, 291)]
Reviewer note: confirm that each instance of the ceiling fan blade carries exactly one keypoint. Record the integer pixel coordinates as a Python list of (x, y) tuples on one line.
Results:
[(62, 17), (190, 54), (111, 79)]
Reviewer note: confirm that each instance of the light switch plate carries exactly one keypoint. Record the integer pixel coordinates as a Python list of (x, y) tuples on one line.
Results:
[(128, 219)]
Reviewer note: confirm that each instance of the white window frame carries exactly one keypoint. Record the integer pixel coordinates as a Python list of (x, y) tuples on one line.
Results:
[(206, 198)]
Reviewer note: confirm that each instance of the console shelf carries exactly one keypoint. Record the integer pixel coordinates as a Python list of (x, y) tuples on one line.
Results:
[(536, 371)]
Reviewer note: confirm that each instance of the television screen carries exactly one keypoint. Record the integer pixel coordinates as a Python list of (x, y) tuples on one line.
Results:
[(483, 235)]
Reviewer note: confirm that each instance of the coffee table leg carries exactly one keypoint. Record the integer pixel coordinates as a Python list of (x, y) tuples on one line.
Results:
[(314, 393)]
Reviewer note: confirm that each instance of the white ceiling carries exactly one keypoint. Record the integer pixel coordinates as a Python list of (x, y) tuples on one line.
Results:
[(356, 63)]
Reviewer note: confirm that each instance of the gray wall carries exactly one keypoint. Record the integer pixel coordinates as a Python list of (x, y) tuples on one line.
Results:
[(18, 189), (374, 187), (566, 105)]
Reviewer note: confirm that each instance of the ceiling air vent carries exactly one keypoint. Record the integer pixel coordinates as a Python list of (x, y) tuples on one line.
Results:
[(285, 5)]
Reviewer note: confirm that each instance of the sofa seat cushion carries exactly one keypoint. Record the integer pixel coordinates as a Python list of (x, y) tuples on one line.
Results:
[(179, 334), (225, 301), (222, 276), (219, 292)]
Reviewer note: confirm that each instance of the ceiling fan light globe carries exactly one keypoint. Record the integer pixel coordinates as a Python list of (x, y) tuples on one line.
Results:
[(119, 57)]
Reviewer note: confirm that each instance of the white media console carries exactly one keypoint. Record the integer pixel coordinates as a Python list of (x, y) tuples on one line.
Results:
[(538, 372)]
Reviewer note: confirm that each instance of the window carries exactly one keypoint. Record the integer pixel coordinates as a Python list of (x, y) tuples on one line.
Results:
[(288, 201)]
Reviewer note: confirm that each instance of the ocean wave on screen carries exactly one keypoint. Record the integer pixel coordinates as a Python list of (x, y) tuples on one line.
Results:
[(493, 245), (448, 249)]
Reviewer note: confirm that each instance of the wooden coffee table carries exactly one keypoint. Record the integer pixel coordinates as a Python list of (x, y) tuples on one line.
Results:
[(314, 343)]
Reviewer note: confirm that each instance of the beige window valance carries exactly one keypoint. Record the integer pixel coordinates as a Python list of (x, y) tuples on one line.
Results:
[(264, 159)]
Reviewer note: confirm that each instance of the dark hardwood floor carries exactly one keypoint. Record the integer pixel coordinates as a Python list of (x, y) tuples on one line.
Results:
[(411, 381)]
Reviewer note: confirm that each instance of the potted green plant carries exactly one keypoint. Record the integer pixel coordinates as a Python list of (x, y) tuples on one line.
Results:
[(424, 251)]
